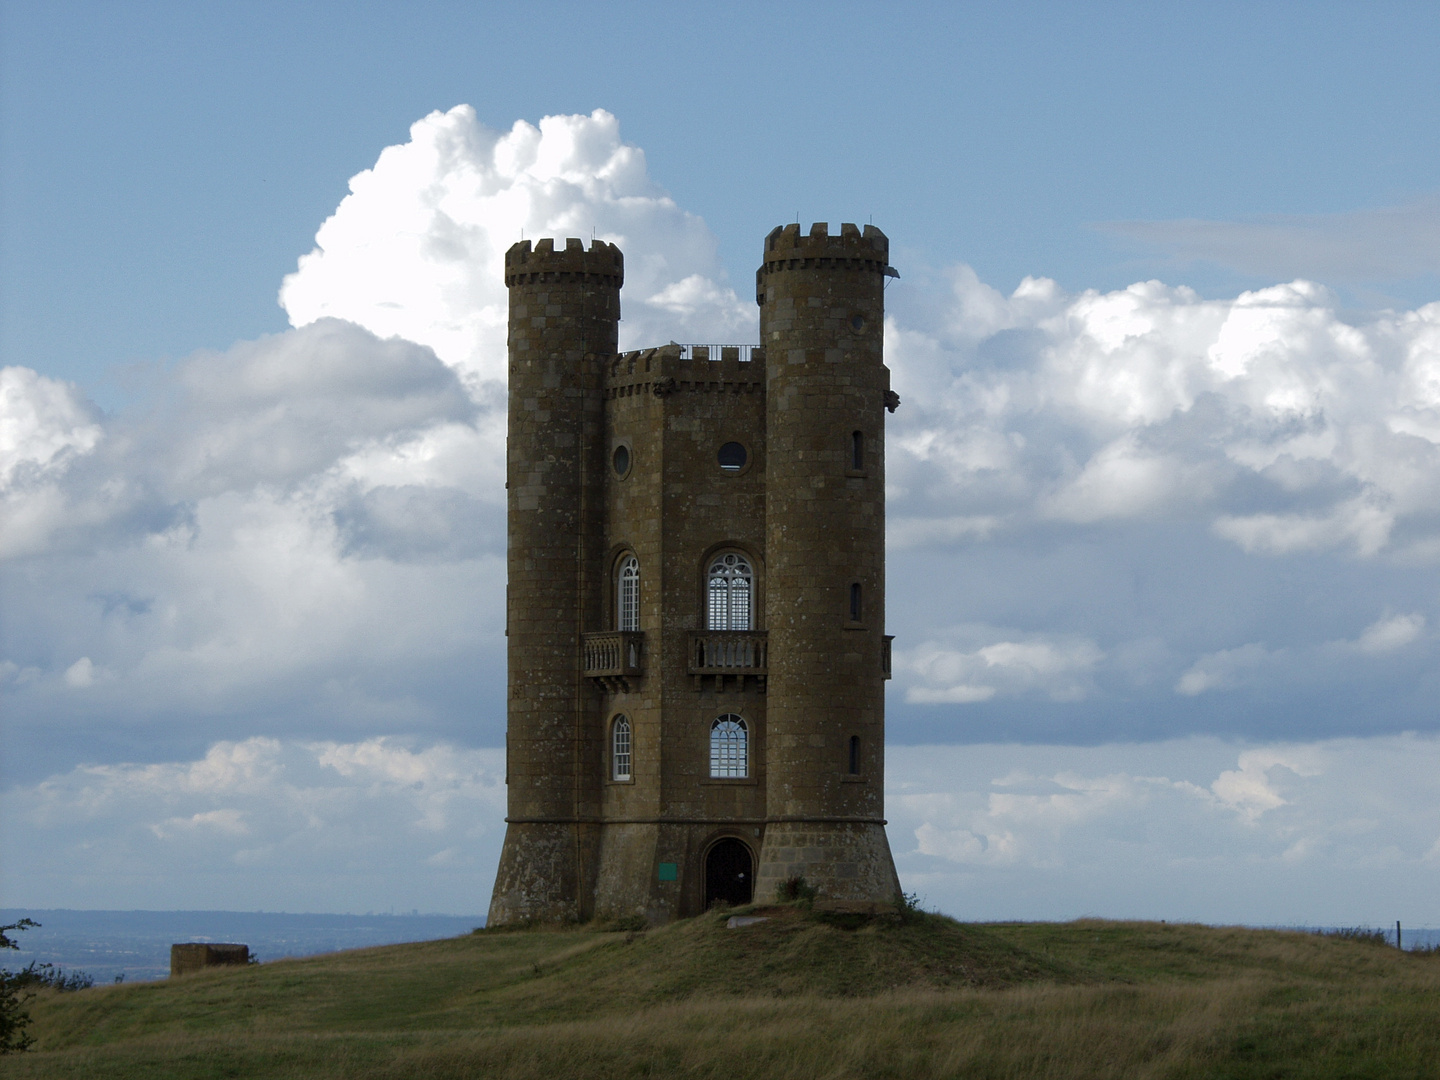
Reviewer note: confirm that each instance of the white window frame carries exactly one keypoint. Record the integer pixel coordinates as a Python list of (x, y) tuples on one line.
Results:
[(627, 594), (621, 748), (730, 593), (729, 748)]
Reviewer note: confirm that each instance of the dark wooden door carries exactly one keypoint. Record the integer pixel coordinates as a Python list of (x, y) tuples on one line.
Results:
[(729, 873)]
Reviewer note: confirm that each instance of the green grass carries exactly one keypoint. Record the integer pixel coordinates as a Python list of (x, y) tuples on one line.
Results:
[(795, 997)]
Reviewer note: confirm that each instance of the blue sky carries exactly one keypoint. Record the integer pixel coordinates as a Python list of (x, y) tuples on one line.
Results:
[(1165, 489)]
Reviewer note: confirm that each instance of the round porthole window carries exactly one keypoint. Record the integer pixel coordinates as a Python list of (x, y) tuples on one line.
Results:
[(621, 460), (732, 457), (857, 323)]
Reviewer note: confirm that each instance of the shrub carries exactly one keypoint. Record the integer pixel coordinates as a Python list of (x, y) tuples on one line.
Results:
[(909, 908), (14, 1019), (49, 977), (795, 890)]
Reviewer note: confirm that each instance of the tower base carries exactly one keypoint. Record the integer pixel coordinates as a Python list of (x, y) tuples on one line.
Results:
[(546, 874), (847, 862)]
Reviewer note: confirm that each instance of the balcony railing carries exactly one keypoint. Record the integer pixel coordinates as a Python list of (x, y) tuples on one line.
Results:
[(724, 653), (614, 657)]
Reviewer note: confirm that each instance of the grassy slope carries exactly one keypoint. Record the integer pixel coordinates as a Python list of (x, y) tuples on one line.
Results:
[(787, 998)]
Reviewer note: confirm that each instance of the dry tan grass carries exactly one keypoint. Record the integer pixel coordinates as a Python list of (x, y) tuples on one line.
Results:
[(1100, 1000)]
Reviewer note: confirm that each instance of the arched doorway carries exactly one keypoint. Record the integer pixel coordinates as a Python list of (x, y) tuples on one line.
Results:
[(729, 873)]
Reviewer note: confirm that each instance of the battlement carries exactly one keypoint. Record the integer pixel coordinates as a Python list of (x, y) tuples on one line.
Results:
[(785, 242), (676, 368), (603, 263), (787, 249)]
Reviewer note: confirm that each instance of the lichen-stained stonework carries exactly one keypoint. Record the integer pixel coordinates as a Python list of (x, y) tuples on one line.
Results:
[(614, 469)]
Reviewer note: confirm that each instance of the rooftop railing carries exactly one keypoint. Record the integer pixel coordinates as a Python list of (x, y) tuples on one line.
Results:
[(742, 353)]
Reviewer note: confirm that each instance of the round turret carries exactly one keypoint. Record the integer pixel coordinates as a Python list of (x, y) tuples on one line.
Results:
[(564, 315), (822, 314)]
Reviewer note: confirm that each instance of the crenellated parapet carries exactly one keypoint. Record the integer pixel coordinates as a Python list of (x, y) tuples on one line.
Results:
[(681, 369), (854, 249), (602, 264)]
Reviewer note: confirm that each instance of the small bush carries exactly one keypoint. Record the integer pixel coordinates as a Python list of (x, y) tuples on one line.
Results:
[(49, 977), (909, 908), (795, 890)]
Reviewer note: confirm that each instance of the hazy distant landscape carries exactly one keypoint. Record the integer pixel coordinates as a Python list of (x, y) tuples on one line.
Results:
[(136, 944)]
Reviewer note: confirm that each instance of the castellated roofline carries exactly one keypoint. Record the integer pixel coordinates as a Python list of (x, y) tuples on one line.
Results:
[(785, 242), (602, 263), (853, 250)]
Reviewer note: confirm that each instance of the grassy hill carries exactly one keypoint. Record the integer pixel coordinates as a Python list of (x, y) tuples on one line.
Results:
[(789, 998)]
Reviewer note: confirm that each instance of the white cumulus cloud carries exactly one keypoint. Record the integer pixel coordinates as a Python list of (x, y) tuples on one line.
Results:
[(266, 823), (942, 673), (417, 248)]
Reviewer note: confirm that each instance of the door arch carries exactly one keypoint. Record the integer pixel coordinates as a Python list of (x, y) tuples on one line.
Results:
[(729, 873)]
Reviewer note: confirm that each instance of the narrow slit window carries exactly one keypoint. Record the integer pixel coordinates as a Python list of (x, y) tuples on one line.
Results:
[(857, 450), (620, 749), (729, 747), (854, 755), (730, 589), (855, 609), (627, 594)]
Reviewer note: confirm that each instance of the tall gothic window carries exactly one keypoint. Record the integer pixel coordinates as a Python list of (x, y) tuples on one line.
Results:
[(731, 589), (627, 594), (620, 748), (729, 747)]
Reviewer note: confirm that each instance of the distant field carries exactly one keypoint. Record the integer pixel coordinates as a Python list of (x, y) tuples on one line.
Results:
[(790, 998)]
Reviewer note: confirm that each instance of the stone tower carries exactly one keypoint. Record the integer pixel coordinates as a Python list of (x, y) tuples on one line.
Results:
[(695, 610), (822, 319)]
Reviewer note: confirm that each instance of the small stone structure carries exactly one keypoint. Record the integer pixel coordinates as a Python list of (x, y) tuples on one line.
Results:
[(192, 956), (696, 602)]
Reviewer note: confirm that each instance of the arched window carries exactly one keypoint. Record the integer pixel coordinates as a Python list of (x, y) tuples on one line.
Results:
[(627, 594), (854, 755), (857, 450), (730, 585), (620, 748), (855, 609), (729, 747)]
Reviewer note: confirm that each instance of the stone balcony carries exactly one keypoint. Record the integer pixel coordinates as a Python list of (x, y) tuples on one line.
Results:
[(739, 654), (613, 657)]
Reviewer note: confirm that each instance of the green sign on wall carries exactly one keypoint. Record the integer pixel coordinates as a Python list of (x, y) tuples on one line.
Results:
[(669, 871)]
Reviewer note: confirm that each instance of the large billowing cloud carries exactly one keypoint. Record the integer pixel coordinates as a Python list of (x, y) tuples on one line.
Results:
[(292, 535), (1131, 488), (417, 248), (1135, 515), (304, 535)]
